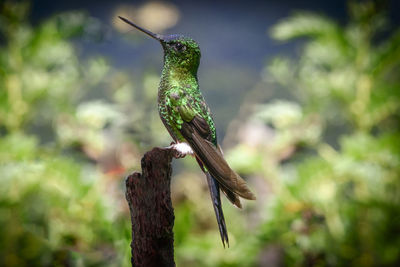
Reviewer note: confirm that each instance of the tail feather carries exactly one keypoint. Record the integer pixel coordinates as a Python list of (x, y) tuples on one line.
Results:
[(213, 159), (232, 197), (213, 185)]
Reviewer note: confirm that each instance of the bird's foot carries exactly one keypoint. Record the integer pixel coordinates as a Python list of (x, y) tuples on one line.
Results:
[(180, 149)]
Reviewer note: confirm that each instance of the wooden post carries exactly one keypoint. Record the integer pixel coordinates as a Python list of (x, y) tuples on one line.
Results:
[(149, 198)]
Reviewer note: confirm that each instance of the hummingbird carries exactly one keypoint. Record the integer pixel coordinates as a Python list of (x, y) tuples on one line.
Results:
[(189, 121)]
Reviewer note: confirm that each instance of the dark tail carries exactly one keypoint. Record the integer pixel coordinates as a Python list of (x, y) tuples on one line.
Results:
[(213, 185)]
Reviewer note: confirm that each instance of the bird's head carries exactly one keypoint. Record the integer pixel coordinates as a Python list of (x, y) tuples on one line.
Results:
[(179, 51)]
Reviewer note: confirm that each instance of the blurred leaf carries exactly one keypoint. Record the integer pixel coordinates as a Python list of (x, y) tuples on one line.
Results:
[(304, 24), (331, 160)]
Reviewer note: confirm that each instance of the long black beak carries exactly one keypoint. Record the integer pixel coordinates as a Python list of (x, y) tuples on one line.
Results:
[(152, 35)]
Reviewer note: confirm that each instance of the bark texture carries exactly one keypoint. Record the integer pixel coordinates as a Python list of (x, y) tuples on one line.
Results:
[(149, 198)]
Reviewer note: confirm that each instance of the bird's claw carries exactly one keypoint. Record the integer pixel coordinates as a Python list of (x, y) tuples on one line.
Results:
[(180, 150), (176, 153)]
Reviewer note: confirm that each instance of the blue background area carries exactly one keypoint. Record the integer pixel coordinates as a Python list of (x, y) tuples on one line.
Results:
[(233, 37)]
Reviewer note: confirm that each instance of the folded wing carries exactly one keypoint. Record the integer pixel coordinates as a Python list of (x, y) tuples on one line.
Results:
[(197, 133)]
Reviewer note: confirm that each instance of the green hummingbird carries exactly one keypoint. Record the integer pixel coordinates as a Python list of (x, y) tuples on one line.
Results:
[(188, 119)]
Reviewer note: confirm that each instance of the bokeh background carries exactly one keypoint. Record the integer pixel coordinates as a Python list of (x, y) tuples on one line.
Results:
[(306, 98)]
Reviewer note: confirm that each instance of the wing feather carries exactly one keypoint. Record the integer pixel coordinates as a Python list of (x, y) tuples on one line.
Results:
[(212, 158), (197, 132)]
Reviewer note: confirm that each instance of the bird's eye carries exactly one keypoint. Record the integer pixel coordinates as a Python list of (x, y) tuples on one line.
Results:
[(179, 47)]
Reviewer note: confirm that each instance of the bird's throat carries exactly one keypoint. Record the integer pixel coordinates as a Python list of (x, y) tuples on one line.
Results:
[(175, 76)]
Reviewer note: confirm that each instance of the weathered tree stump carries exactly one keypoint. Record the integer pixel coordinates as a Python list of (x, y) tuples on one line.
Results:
[(149, 198)]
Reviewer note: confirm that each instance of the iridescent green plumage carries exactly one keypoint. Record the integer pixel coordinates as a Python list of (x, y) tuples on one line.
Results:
[(179, 97), (188, 119)]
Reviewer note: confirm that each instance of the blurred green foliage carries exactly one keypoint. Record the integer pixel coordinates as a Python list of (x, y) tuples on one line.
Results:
[(63, 149), (331, 159), (325, 163)]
